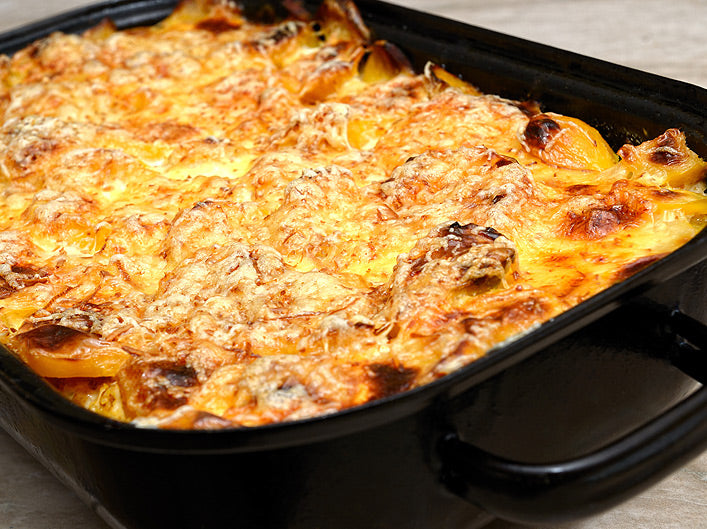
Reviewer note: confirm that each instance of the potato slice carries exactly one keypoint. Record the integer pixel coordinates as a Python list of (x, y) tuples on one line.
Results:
[(382, 62), (55, 351), (438, 79), (567, 142), (667, 159)]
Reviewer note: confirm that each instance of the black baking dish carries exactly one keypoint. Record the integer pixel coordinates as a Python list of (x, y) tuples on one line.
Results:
[(567, 420)]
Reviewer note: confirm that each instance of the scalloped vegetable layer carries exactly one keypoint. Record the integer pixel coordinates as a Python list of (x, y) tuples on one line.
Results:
[(215, 222)]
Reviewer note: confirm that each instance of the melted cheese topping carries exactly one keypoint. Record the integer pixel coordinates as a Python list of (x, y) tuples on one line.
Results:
[(214, 222)]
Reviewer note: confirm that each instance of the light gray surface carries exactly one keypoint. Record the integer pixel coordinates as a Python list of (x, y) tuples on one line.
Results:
[(652, 35)]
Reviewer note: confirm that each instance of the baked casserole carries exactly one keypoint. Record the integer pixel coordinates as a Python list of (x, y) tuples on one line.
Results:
[(217, 221)]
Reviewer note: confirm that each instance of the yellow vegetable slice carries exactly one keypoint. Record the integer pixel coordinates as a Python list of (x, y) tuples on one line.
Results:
[(567, 142), (55, 351), (664, 160)]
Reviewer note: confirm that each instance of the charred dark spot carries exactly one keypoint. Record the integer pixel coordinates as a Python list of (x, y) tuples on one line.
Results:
[(619, 208), (500, 160), (595, 223), (36, 48), (19, 277), (664, 193), (491, 233), (83, 321), (459, 350), (317, 29), (202, 204), (160, 384), (581, 189), (33, 51), (417, 265), (668, 149), (470, 234), (217, 25), (283, 32), (667, 156), (288, 383), (22, 269), (160, 397), (453, 229), (637, 265), (5, 290), (460, 238), (30, 274), (91, 384), (503, 161), (472, 325), (174, 374), (393, 332), (391, 379), (540, 130), (50, 337), (497, 198), (529, 108)]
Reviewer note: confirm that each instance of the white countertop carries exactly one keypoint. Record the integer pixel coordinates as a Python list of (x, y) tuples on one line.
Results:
[(667, 38)]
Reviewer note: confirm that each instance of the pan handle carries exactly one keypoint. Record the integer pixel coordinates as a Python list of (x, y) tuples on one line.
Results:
[(571, 489)]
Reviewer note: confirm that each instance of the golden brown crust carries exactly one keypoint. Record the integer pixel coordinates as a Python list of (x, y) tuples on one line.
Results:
[(215, 222)]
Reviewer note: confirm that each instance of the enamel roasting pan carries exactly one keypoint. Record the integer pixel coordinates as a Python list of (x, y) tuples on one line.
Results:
[(568, 420)]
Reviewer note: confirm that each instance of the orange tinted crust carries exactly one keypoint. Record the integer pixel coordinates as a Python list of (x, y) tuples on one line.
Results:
[(214, 222)]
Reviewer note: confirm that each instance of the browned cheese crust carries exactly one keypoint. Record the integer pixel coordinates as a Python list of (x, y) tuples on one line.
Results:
[(214, 222)]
